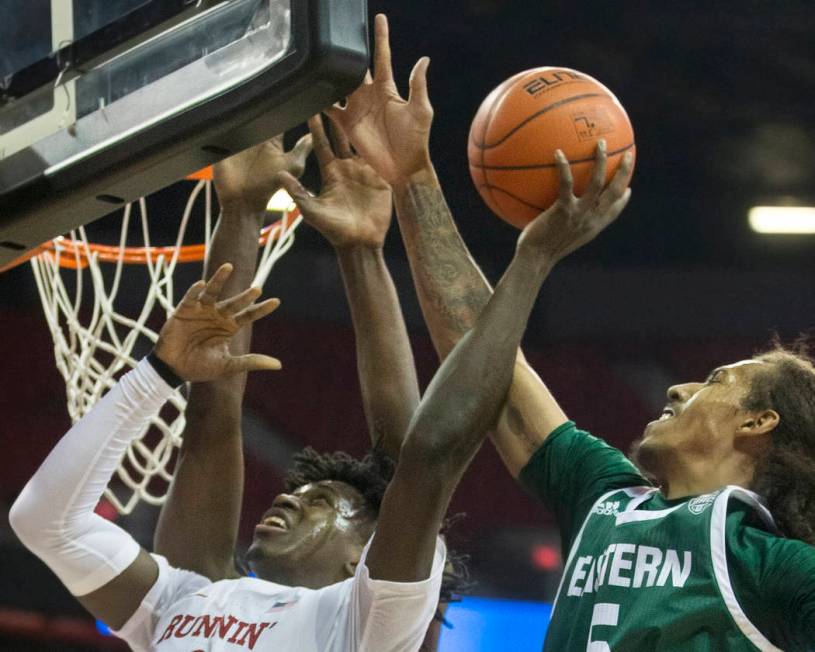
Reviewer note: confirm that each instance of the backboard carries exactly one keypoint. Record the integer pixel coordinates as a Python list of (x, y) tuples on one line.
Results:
[(105, 101)]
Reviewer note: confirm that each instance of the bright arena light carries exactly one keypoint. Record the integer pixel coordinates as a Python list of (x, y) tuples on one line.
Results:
[(280, 201), (782, 219)]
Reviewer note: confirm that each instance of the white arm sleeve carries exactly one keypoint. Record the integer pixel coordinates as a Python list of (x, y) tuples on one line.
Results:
[(54, 517)]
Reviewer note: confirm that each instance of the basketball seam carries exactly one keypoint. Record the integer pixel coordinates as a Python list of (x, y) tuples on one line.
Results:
[(548, 165), (487, 123), (532, 117), (509, 194), (495, 103)]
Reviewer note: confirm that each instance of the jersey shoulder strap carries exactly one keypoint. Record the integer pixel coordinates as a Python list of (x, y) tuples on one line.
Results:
[(718, 549)]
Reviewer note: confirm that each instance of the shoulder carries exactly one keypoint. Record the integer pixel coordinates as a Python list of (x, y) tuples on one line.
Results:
[(391, 615), (751, 534), (171, 586), (431, 583), (568, 439), (571, 454), (175, 581), (773, 577), (749, 542)]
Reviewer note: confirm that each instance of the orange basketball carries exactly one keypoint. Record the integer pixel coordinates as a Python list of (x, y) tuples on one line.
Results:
[(519, 126)]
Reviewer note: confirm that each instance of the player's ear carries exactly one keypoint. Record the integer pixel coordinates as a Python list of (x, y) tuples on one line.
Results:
[(759, 423)]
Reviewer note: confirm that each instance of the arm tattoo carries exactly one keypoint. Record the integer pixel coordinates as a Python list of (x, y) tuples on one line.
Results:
[(451, 288), (446, 276)]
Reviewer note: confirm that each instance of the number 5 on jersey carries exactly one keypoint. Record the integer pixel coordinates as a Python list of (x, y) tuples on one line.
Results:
[(605, 613)]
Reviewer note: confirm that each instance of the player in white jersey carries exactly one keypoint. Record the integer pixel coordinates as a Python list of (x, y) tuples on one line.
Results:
[(305, 547), (198, 524)]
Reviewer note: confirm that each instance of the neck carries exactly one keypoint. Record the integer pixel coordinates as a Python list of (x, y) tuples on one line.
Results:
[(305, 575), (689, 476)]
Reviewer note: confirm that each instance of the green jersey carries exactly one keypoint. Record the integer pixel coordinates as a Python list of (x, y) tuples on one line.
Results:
[(707, 573)]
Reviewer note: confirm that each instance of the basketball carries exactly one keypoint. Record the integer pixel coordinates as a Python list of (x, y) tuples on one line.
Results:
[(523, 121)]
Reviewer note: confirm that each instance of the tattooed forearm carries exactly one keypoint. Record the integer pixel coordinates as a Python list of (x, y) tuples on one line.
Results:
[(453, 293), (451, 289)]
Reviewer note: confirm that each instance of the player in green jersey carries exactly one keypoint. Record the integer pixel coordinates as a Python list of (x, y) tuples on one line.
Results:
[(690, 560)]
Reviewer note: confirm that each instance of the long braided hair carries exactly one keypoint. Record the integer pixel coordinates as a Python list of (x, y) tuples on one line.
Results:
[(785, 478)]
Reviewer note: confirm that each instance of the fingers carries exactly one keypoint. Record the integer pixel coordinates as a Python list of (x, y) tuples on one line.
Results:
[(617, 187), (383, 71), (335, 112), (299, 153), (191, 295), (418, 82), (253, 362), (322, 146), (598, 177), (610, 214), (239, 301), (276, 142), (295, 189), (256, 311), (341, 141), (215, 285), (618, 206), (345, 112), (565, 174), (613, 211), (623, 174)]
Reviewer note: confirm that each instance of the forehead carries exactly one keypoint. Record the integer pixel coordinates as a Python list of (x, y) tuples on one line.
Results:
[(336, 487), (747, 366), (743, 370)]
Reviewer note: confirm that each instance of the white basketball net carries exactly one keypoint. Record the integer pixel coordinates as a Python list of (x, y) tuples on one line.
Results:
[(92, 355)]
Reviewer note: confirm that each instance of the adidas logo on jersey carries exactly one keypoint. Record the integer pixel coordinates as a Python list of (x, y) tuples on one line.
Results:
[(607, 508)]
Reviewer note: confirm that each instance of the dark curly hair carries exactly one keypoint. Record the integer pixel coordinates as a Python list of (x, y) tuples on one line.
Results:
[(370, 476), (785, 478)]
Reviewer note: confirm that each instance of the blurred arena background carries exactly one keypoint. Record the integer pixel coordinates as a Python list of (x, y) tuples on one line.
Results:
[(720, 95)]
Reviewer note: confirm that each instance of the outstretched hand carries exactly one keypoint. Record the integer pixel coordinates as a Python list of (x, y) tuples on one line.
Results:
[(391, 134), (355, 204), (194, 341), (573, 221), (249, 179)]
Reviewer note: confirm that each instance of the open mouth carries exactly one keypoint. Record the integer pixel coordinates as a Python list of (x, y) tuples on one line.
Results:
[(273, 523), (277, 522), (667, 413)]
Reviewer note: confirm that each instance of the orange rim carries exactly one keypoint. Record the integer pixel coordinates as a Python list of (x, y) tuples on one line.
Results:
[(73, 254), (204, 174)]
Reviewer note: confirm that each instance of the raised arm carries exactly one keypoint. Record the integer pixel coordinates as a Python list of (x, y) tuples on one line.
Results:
[(353, 212), (53, 516), (198, 525), (470, 387), (393, 136)]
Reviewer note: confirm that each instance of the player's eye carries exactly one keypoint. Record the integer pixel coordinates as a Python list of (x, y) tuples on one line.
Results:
[(319, 500), (715, 377)]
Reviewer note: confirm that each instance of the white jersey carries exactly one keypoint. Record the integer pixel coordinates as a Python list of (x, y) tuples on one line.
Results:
[(186, 612)]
